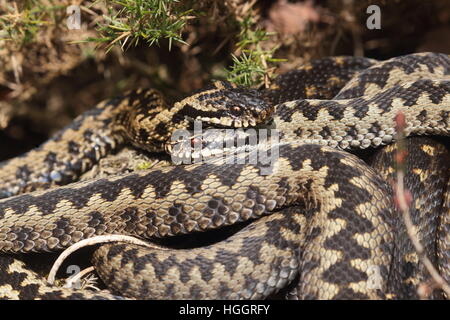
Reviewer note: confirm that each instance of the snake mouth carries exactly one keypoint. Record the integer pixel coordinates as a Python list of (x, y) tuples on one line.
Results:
[(251, 119), (227, 122)]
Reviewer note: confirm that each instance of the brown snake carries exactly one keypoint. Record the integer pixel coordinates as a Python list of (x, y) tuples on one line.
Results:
[(326, 220)]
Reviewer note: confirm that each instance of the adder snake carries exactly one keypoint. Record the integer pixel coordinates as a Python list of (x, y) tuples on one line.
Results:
[(326, 225)]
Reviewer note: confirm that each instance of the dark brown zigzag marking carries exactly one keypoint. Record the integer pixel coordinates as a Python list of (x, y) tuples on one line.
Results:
[(294, 83), (109, 190), (30, 286), (82, 156), (161, 129), (251, 248), (383, 100), (342, 272), (284, 113), (317, 155), (363, 108), (15, 279), (379, 74), (141, 99)]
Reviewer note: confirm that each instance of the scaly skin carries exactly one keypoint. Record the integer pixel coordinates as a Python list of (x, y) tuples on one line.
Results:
[(348, 241)]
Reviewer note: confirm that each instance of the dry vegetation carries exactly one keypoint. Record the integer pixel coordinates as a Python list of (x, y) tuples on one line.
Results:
[(49, 74)]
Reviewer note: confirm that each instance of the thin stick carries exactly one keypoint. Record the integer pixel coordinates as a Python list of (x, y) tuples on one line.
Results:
[(77, 277), (92, 241)]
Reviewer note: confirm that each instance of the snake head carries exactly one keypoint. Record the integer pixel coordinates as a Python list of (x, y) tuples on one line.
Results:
[(223, 104)]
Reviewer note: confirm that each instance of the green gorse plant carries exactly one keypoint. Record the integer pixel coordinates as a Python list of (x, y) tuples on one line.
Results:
[(21, 24), (132, 21), (251, 67)]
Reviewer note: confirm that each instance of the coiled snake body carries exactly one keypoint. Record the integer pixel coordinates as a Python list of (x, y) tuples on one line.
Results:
[(326, 224)]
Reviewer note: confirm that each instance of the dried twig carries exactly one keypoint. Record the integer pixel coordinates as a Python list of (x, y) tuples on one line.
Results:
[(75, 279), (92, 241)]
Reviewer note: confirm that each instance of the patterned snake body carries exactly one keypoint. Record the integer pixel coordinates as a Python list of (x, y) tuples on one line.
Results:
[(343, 264), (307, 189), (333, 226)]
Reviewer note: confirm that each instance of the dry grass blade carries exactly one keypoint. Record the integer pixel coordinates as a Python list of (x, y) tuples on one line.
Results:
[(93, 241)]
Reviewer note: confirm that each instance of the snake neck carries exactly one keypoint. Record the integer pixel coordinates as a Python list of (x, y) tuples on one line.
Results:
[(149, 123)]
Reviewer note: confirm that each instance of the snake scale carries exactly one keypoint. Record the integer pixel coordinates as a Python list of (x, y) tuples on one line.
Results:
[(324, 227)]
